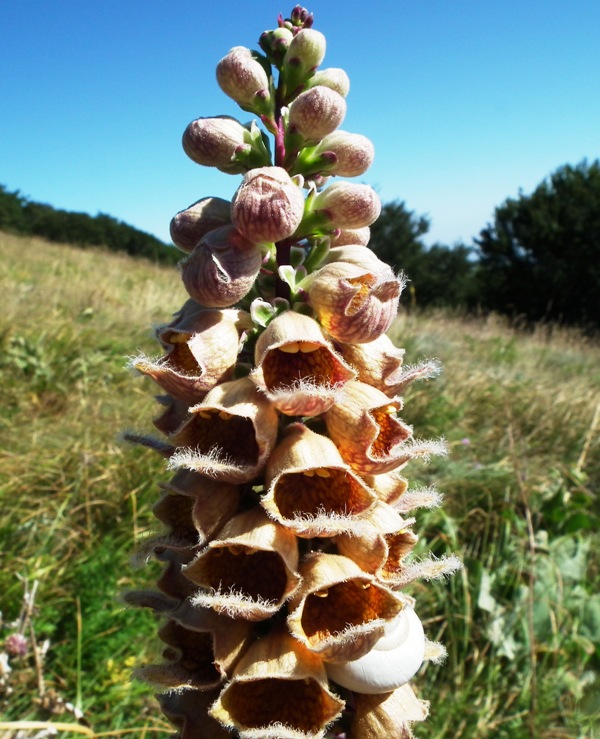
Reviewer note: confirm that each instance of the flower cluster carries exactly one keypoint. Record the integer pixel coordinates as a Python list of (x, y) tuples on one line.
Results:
[(287, 530)]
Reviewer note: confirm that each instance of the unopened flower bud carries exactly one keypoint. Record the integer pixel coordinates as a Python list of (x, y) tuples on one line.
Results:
[(316, 113), (353, 152), (224, 143), (344, 236), (348, 205), (334, 78), (241, 76), (268, 205), (222, 268), (190, 225), (304, 54), (275, 43)]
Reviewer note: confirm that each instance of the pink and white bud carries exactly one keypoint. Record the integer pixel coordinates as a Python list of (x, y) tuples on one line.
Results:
[(268, 206), (316, 113), (354, 153), (334, 78), (222, 268), (214, 142), (243, 78), (190, 225), (348, 205)]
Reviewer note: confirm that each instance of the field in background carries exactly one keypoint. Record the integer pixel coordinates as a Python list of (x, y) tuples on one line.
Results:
[(521, 415)]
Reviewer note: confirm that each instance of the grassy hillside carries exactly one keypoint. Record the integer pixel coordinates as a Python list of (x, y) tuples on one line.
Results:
[(521, 414)]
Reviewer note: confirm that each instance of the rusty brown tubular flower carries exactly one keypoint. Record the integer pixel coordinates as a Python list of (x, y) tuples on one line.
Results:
[(288, 530)]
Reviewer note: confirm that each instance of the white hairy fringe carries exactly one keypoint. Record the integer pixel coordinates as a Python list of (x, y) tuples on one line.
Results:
[(435, 652), (428, 569), (420, 498), (231, 601), (211, 463), (278, 731)]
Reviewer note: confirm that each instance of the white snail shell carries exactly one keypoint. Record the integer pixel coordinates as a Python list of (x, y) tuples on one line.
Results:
[(392, 662)]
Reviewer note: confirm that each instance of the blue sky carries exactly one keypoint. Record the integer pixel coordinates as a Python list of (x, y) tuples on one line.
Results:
[(466, 101)]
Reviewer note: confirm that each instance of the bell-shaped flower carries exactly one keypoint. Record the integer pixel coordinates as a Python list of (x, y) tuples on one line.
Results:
[(332, 77), (311, 490), (304, 54), (241, 76), (279, 691), (354, 304), (249, 570), (339, 611), (316, 113), (222, 268), (268, 205), (388, 714), (223, 142), (297, 367), (392, 661), (364, 427), (202, 349), (230, 637), (229, 435), (188, 711), (173, 582), (191, 224), (190, 660), (347, 205), (212, 503), (381, 546)]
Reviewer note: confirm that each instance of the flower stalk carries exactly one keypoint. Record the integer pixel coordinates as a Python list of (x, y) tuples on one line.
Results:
[(287, 550)]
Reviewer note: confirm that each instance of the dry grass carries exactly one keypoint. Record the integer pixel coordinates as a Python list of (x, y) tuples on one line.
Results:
[(519, 411)]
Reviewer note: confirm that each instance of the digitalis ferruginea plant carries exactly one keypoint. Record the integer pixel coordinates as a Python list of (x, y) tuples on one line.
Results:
[(287, 529)]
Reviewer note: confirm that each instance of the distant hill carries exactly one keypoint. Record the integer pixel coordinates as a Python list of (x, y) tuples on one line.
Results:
[(19, 215)]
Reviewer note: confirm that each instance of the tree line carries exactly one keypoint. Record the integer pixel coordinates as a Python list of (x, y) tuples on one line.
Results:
[(538, 260), (20, 215)]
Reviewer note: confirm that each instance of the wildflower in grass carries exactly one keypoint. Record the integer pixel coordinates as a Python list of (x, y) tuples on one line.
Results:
[(287, 530)]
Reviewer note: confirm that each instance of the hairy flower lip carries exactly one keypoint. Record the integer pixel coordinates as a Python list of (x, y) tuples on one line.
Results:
[(310, 489), (364, 427), (249, 570), (279, 690), (339, 611), (229, 435), (297, 367), (200, 353), (388, 714), (393, 660)]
